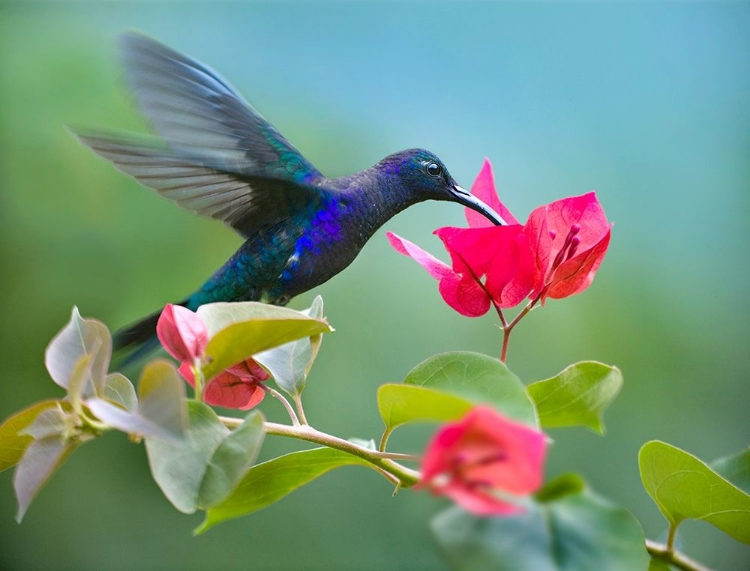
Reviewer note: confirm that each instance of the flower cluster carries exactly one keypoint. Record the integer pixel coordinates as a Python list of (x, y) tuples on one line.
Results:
[(184, 336), (555, 254), (485, 462)]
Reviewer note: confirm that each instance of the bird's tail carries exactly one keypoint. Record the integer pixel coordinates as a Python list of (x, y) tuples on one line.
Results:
[(133, 342)]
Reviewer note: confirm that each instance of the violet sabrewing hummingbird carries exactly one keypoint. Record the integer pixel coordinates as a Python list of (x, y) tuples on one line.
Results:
[(220, 158)]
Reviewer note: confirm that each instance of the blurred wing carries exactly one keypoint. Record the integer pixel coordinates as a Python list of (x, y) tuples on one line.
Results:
[(199, 114), (246, 203)]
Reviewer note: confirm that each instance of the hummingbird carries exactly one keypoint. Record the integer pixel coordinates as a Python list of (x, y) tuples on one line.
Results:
[(218, 157)]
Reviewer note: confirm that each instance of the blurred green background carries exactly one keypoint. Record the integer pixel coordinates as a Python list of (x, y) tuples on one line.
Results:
[(646, 102)]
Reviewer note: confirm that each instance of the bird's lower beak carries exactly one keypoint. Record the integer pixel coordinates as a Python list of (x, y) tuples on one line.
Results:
[(469, 200)]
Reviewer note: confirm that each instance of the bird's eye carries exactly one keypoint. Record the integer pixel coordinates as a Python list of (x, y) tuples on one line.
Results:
[(434, 169)]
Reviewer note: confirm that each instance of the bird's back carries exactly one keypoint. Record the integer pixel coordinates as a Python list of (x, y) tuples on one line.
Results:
[(305, 250)]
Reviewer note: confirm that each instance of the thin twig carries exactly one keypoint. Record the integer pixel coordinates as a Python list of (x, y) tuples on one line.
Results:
[(398, 456), (384, 439), (506, 342), (388, 476), (508, 327), (300, 410), (276, 394), (500, 314), (523, 312)]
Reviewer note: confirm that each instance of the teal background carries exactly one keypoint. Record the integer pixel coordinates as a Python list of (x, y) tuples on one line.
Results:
[(645, 102)]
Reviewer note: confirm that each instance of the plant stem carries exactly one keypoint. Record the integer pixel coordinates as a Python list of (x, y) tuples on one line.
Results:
[(671, 534), (672, 557), (94, 424), (384, 439), (508, 327), (300, 410), (506, 342), (276, 394), (500, 314), (199, 380), (406, 476), (388, 476)]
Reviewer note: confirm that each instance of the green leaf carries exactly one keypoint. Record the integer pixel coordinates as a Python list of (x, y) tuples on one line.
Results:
[(119, 390), (231, 460), (577, 531), (478, 379), (178, 467), (218, 316), (399, 404), (270, 481), (237, 331), (161, 397), (160, 412), (204, 468), (735, 468), (50, 422), (13, 440), (316, 312), (560, 487), (78, 338), (683, 487), (289, 364), (577, 396), (41, 459)]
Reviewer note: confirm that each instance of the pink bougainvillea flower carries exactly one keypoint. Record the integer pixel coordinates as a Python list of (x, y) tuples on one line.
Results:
[(555, 254), (237, 387), (490, 264), (569, 238), (482, 460), (182, 333)]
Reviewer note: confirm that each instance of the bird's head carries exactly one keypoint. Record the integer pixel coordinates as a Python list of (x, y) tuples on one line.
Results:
[(426, 178)]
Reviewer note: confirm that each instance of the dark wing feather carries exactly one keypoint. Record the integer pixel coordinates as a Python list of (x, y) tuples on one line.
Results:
[(246, 203), (199, 114)]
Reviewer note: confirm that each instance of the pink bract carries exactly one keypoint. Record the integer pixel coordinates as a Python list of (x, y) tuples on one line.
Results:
[(461, 292), (182, 333), (237, 387), (497, 258), (484, 189), (570, 238), (482, 459)]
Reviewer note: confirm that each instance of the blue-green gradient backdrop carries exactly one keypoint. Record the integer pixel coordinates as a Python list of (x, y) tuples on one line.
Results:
[(648, 103)]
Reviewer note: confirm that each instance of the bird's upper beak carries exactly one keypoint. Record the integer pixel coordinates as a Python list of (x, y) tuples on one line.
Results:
[(467, 199)]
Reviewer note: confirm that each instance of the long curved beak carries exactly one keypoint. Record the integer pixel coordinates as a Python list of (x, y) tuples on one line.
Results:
[(469, 200)]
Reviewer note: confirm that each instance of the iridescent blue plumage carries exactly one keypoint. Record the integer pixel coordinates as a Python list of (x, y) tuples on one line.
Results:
[(222, 159)]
